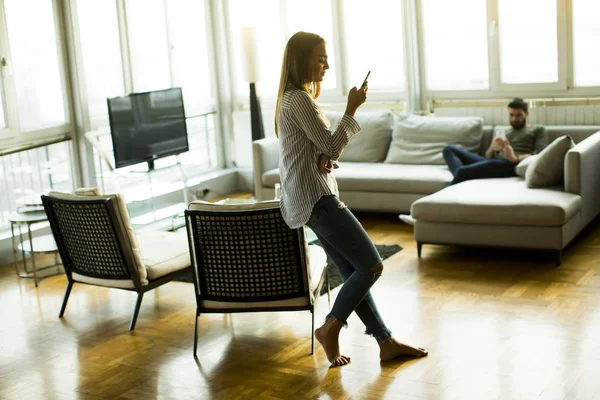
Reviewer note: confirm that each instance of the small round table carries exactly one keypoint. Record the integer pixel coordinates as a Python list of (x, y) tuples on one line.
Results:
[(41, 244)]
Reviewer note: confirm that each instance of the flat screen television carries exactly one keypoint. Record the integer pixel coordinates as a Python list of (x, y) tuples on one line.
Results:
[(146, 126)]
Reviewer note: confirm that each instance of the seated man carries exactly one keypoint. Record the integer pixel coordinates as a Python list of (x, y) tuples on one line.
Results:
[(506, 151)]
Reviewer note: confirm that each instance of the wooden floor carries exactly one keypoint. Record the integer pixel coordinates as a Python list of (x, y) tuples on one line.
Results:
[(498, 324)]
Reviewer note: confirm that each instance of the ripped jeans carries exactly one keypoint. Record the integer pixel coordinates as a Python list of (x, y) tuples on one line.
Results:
[(348, 245)]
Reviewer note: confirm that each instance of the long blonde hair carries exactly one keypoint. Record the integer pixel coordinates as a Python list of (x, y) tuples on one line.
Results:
[(297, 68)]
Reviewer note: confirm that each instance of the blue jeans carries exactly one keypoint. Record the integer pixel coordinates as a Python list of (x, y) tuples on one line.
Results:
[(348, 245), (465, 165)]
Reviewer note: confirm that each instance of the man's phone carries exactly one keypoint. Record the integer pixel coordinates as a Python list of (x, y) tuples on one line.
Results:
[(365, 81)]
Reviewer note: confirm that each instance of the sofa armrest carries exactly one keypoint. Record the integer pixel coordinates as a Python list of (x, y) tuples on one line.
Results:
[(582, 175), (266, 157)]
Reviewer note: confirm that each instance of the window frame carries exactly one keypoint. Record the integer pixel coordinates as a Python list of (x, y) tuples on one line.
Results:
[(561, 53), (12, 134), (240, 101), (564, 88), (7, 87)]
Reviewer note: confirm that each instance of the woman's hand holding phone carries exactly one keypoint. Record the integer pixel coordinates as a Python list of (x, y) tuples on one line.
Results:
[(357, 97)]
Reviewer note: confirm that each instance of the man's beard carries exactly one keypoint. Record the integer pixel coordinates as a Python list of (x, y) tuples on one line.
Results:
[(517, 125)]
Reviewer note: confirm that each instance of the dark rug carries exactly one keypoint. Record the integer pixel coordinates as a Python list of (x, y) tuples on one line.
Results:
[(335, 279)]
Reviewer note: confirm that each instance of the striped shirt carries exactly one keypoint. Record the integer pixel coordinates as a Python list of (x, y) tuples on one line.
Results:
[(304, 134)]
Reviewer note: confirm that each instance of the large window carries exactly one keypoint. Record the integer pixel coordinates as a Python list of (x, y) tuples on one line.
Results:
[(167, 47), (374, 42), (275, 22), (455, 44), (528, 41), (499, 47), (148, 44), (35, 64), (2, 121), (586, 36), (100, 45), (189, 54)]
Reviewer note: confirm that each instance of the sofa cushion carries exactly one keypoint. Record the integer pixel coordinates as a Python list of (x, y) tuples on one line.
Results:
[(548, 169), (420, 140), (522, 167), (502, 201), (371, 144), (163, 252), (383, 178)]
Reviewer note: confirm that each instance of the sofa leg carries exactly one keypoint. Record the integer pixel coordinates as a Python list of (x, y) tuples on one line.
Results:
[(419, 248), (557, 257)]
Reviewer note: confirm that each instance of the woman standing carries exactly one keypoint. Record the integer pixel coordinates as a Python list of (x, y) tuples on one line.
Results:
[(309, 193)]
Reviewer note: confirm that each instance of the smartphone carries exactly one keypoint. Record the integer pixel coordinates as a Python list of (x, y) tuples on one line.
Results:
[(366, 77)]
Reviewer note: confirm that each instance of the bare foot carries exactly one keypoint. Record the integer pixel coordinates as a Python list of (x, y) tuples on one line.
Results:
[(328, 335), (390, 349)]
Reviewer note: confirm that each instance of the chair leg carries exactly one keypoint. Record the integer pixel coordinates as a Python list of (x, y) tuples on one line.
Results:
[(66, 298), (419, 249), (196, 334), (312, 332), (138, 303)]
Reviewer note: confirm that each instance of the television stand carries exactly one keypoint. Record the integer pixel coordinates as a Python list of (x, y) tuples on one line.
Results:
[(152, 169)]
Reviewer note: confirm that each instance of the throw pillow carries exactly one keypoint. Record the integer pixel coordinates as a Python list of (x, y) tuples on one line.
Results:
[(420, 140), (548, 169), (522, 167), (371, 144)]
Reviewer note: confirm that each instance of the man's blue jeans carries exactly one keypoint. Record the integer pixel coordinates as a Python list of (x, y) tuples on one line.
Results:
[(466, 165), (346, 242)]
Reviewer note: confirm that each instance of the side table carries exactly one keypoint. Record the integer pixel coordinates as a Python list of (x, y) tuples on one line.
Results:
[(42, 244)]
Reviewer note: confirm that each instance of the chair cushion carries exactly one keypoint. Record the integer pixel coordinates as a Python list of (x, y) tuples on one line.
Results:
[(383, 178), (503, 201), (201, 205), (112, 283), (163, 252), (88, 191), (316, 263)]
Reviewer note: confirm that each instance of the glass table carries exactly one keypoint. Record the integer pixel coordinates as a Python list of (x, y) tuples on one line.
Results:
[(33, 246)]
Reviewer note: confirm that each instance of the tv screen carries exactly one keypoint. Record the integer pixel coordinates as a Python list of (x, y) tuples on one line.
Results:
[(147, 126)]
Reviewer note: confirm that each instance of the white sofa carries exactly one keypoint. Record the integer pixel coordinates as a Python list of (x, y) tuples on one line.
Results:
[(486, 212), (506, 213)]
